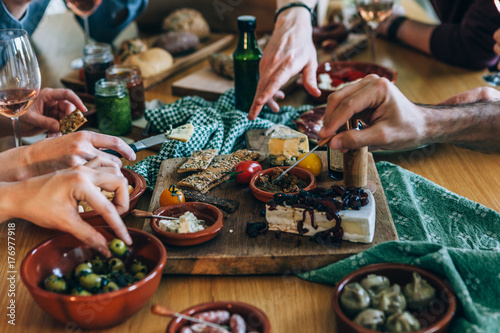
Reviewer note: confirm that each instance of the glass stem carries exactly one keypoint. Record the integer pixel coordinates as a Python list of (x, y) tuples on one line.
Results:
[(17, 131), (86, 29), (372, 36)]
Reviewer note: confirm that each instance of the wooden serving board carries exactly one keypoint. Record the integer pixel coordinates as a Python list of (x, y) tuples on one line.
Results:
[(209, 85), (233, 252), (213, 43)]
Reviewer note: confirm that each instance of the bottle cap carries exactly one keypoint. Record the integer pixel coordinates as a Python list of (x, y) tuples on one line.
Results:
[(246, 23)]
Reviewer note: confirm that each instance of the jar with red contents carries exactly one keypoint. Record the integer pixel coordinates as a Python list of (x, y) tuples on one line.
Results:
[(131, 75)]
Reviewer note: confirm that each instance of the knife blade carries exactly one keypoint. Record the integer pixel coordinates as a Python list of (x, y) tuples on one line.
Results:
[(142, 144), (320, 143)]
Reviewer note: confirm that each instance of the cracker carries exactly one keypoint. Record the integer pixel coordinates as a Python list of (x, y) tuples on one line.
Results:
[(198, 161), (72, 122)]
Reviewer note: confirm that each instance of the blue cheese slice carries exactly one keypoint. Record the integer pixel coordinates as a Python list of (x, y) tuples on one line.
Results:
[(286, 145), (358, 225), (182, 133)]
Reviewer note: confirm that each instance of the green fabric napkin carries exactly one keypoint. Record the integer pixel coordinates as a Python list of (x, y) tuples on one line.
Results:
[(218, 125), (451, 236)]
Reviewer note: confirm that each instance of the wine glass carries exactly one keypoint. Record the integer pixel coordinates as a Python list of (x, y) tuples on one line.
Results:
[(19, 76), (374, 12), (493, 78), (83, 8)]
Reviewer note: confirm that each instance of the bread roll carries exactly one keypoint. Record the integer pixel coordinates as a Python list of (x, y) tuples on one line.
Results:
[(151, 62), (129, 47), (177, 42), (188, 20)]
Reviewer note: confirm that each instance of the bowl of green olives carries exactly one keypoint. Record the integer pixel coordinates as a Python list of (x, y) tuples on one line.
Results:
[(138, 186), (74, 283), (393, 297)]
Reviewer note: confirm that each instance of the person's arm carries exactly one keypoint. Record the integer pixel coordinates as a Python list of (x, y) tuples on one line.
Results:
[(51, 202), (496, 47), (289, 52), (53, 154), (395, 123)]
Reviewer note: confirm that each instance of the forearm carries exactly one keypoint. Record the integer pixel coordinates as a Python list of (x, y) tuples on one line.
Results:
[(14, 165), (474, 126), (416, 34), (9, 196)]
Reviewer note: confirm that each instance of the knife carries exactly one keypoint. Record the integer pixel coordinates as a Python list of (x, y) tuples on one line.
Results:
[(142, 144)]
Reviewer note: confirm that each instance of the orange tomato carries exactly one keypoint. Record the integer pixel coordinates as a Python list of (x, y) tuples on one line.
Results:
[(311, 163), (171, 196)]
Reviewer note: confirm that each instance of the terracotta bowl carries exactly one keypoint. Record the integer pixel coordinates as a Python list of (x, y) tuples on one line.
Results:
[(212, 216), (63, 253), (139, 184), (265, 196), (367, 68), (252, 315), (433, 319)]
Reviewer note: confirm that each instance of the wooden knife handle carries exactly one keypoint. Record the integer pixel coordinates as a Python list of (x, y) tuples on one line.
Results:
[(141, 213)]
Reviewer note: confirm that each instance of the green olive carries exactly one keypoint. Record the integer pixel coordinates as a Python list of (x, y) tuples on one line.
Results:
[(139, 276), (83, 269), (56, 284), (99, 266), (137, 267), (91, 282), (116, 265), (80, 292), (118, 247), (111, 286)]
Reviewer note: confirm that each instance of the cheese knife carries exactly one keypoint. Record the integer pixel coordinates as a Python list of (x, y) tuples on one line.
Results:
[(142, 144)]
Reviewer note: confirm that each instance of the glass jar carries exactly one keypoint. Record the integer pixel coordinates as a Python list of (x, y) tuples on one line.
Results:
[(131, 75), (112, 105), (97, 57)]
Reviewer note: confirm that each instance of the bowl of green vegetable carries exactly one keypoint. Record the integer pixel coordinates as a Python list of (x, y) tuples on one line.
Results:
[(75, 284)]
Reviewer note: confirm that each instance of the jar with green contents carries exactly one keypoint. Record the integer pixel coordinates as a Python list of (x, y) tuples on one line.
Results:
[(112, 107)]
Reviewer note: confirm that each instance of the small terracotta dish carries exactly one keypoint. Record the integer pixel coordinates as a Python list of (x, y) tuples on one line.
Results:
[(344, 69), (212, 216), (61, 254), (252, 315), (139, 184), (265, 196), (434, 318)]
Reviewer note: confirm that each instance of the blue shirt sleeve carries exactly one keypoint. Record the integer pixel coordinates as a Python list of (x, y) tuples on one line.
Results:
[(112, 16)]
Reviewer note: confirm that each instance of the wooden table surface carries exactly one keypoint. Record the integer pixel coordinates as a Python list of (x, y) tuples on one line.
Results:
[(291, 304)]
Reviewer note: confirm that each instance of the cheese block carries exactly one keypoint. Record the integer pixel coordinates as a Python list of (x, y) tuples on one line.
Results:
[(285, 145), (358, 225), (182, 133)]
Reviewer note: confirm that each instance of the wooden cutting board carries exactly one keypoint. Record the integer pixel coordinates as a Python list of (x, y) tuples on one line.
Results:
[(233, 252), (209, 85), (213, 43)]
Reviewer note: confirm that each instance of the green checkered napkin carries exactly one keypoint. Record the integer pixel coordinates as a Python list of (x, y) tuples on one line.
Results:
[(218, 125), (451, 236)]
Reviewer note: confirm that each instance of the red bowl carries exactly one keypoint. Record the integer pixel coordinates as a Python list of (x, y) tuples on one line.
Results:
[(61, 254), (252, 315), (331, 67), (212, 216), (139, 184), (434, 319), (265, 196)]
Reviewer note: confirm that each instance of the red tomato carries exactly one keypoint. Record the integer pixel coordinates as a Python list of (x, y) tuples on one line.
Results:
[(354, 75), (245, 170)]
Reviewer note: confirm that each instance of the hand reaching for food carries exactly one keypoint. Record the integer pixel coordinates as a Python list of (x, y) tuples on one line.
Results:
[(50, 201)]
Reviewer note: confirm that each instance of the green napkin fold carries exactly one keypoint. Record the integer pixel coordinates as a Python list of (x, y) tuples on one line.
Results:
[(444, 233), (218, 125)]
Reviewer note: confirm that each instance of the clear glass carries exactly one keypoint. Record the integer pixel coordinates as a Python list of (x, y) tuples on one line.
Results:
[(493, 78), (19, 76), (373, 12)]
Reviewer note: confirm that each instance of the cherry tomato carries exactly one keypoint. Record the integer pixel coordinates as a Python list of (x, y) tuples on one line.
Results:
[(311, 163), (245, 170), (171, 196)]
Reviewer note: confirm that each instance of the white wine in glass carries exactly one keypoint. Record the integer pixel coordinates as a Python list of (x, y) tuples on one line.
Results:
[(19, 76), (493, 78), (374, 12)]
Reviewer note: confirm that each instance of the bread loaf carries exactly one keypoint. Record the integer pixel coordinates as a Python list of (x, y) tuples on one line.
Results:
[(129, 47), (188, 20), (177, 42), (151, 62)]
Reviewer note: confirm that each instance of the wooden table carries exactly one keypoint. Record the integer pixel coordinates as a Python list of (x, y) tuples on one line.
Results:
[(292, 305)]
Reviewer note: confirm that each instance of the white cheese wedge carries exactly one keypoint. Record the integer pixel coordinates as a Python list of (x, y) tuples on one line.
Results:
[(358, 225), (285, 146), (182, 133)]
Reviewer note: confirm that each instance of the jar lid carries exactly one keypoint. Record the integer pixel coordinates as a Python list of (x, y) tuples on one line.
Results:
[(127, 73), (246, 23), (97, 52), (108, 88)]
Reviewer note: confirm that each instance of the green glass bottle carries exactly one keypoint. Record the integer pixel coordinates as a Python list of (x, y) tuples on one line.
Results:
[(246, 63)]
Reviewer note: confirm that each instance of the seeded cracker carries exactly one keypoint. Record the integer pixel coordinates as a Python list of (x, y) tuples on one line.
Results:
[(72, 122), (199, 160)]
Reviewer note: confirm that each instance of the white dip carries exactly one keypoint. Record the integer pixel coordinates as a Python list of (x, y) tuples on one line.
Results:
[(186, 223)]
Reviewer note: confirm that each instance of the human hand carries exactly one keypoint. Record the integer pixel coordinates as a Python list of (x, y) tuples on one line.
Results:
[(473, 96), (52, 154), (393, 121), (51, 201), (289, 52), (50, 106), (496, 47)]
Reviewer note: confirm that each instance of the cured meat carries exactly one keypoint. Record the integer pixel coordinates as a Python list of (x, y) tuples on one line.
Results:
[(311, 122)]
